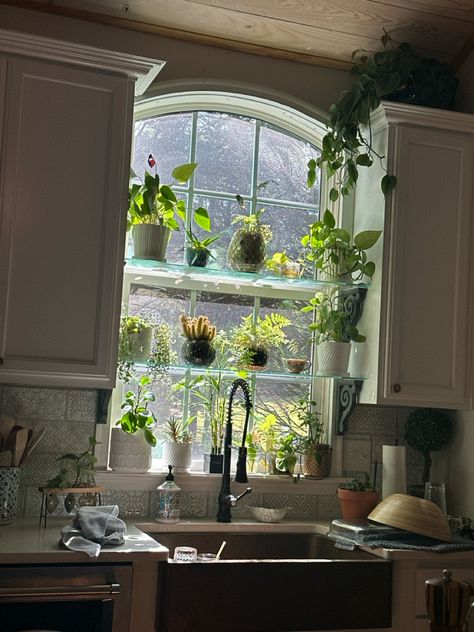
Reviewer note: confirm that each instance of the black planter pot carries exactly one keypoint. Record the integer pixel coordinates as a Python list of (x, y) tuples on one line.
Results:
[(214, 463), (196, 257), (198, 352), (258, 357)]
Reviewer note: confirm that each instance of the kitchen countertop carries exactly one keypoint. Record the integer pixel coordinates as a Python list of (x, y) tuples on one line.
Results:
[(25, 542)]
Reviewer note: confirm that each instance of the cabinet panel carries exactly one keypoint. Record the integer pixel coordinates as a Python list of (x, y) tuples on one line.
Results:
[(64, 175), (427, 294), (416, 315)]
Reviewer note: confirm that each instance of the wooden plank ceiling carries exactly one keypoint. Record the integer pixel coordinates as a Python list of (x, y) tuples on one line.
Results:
[(323, 32)]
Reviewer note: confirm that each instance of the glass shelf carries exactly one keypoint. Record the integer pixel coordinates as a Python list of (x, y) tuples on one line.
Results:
[(284, 376), (234, 278)]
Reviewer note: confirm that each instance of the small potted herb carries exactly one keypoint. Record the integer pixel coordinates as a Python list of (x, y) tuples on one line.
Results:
[(333, 330), (135, 338), (154, 211), (248, 247), (197, 250), (282, 265), (252, 340), (177, 448), (357, 498), (316, 455)]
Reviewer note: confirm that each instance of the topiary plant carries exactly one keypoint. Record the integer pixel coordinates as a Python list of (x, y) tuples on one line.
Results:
[(428, 430)]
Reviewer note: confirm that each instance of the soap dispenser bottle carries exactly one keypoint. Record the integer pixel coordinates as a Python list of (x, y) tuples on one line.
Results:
[(168, 499)]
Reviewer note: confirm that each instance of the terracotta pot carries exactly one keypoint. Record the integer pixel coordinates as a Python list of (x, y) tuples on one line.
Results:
[(356, 505), (317, 461)]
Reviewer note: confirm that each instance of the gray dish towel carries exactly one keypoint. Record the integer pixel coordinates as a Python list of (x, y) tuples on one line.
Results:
[(92, 528), (415, 542)]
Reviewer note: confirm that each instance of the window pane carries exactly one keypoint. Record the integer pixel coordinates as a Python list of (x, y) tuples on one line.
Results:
[(283, 163), (168, 138), (298, 334), (221, 212), (288, 227), (224, 152)]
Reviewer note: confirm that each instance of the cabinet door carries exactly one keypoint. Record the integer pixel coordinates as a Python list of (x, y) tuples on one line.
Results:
[(64, 175), (425, 289)]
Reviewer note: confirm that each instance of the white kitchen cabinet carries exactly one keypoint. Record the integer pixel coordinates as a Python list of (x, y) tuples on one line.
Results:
[(64, 168), (416, 315)]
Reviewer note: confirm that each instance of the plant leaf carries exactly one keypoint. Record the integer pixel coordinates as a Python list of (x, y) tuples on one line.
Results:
[(388, 183), (182, 173), (202, 219), (366, 239)]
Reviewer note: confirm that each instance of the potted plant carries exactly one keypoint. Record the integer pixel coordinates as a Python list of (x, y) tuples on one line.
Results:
[(135, 338), (357, 498), (335, 253), (210, 391), (198, 348), (197, 250), (427, 430), (396, 73), (283, 265), (287, 453), (333, 331), (133, 436), (253, 339), (177, 448), (154, 211), (316, 455), (248, 247)]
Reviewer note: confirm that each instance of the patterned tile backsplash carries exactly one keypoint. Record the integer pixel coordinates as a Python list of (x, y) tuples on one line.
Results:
[(69, 416)]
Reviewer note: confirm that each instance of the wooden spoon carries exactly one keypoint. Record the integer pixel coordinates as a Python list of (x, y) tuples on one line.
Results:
[(5, 458), (19, 446)]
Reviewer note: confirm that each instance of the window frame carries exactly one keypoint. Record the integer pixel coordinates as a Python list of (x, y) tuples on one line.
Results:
[(291, 121)]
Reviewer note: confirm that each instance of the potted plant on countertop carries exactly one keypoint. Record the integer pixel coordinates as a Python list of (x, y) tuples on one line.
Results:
[(427, 430), (396, 73), (198, 348), (252, 340), (177, 448), (357, 498), (154, 211), (333, 330), (336, 254), (248, 247), (133, 436)]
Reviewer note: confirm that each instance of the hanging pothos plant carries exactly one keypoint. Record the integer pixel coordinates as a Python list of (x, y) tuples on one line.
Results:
[(397, 73)]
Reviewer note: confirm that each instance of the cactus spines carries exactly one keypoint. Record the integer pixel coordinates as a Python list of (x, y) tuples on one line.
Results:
[(197, 328)]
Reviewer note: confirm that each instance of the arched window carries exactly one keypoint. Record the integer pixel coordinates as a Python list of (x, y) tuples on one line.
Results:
[(258, 150)]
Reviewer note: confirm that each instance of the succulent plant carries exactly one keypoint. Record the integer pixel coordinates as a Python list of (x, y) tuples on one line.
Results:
[(198, 328)]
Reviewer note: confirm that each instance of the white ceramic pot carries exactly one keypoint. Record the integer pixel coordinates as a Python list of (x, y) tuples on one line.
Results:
[(150, 241), (179, 455), (337, 270), (129, 452), (333, 357)]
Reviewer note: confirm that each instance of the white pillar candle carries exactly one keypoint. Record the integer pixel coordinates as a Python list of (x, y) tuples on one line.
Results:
[(394, 476)]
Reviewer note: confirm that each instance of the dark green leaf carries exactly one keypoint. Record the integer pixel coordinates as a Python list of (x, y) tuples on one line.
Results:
[(388, 183), (364, 160), (366, 239), (333, 194)]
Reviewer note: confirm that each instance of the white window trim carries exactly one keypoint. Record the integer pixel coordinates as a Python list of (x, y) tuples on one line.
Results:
[(294, 122)]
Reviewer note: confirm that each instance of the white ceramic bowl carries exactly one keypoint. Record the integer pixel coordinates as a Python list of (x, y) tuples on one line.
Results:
[(267, 514)]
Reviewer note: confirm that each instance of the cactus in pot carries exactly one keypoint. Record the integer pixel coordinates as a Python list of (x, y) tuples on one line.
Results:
[(198, 349)]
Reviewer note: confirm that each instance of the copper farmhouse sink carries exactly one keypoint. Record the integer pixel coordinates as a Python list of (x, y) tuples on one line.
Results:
[(271, 582)]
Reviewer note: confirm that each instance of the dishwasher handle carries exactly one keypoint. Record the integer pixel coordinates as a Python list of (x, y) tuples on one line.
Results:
[(59, 592)]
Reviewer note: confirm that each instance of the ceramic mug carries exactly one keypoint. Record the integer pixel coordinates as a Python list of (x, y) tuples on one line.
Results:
[(297, 365)]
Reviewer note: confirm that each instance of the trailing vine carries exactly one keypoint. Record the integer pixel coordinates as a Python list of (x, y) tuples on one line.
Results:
[(396, 73)]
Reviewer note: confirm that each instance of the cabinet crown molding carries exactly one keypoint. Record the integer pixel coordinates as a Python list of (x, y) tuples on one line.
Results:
[(391, 113), (142, 70)]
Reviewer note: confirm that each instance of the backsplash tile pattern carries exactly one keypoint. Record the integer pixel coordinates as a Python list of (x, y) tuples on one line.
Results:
[(69, 415)]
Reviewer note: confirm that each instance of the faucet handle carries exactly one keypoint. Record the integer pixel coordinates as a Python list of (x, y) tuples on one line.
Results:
[(235, 499)]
